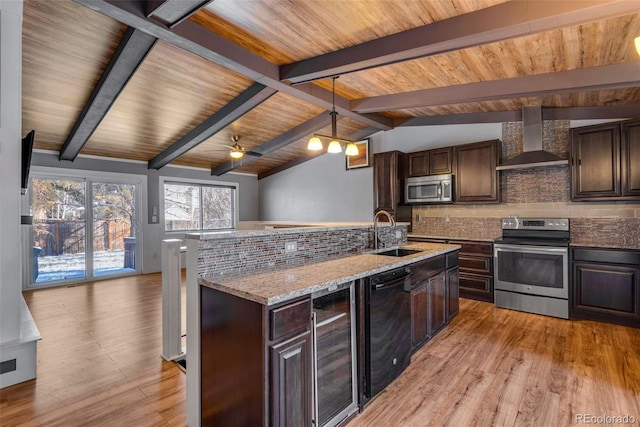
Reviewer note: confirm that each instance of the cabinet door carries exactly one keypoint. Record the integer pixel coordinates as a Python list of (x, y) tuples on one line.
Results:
[(419, 315), (418, 163), (440, 160), (453, 293), (437, 303), (595, 162), (631, 159), (607, 292), (386, 180), (291, 382), (476, 178)]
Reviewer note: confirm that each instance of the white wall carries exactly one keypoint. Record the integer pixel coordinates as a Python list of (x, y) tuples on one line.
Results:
[(10, 141), (318, 190), (322, 190)]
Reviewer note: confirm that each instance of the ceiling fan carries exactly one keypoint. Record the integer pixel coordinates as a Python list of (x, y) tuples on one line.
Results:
[(238, 151)]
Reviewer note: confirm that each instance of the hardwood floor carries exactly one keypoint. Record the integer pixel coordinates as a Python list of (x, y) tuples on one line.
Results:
[(494, 367), (99, 359), (99, 364)]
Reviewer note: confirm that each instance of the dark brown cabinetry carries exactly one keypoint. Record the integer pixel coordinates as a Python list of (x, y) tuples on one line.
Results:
[(430, 162), (290, 360), (605, 162), (437, 286), (476, 269), (266, 351), (476, 178), (606, 285), (388, 175), (434, 296), (291, 382), (453, 293)]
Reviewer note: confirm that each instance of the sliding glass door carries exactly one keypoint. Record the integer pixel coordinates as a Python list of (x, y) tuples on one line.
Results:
[(59, 229), (83, 227), (114, 228)]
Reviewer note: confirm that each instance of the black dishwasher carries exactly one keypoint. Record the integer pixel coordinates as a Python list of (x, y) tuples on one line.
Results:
[(387, 328)]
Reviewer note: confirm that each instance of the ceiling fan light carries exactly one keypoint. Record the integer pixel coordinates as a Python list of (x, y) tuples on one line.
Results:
[(351, 149), (334, 147), (314, 144), (236, 154), (637, 43)]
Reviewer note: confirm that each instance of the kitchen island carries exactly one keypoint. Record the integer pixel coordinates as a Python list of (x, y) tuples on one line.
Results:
[(239, 372)]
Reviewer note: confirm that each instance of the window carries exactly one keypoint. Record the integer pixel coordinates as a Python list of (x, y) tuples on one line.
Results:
[(192, 206)]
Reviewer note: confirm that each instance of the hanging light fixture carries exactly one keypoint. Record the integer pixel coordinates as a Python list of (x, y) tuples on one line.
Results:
[(237, 152), (335, 146), (637, 43)]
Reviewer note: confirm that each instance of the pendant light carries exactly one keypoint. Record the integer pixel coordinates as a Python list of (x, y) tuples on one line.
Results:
[(637, 43), (335, 146)]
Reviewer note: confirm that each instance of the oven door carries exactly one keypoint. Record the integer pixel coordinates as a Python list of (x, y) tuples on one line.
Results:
[(534, 270)]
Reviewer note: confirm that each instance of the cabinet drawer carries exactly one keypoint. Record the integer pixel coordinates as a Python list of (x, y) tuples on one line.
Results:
[(475, 282), (452, 259), (290, 318), (478, 265), (424, 269), (474, 248)]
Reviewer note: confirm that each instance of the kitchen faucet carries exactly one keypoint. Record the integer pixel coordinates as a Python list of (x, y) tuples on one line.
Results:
[(376, 217)]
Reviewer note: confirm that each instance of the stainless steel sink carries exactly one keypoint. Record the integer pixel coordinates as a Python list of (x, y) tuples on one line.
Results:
[(400, 252)]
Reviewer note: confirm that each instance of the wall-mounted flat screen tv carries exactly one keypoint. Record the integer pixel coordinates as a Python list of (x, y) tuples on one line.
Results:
[(27, 149)]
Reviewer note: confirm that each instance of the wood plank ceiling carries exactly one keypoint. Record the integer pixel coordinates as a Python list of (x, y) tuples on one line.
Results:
[(261, 69)]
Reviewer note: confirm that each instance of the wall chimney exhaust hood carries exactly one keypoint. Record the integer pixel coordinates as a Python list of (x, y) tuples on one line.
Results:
[(532, 156)]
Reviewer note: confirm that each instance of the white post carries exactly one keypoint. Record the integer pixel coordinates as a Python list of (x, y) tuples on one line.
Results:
[(171, 300)]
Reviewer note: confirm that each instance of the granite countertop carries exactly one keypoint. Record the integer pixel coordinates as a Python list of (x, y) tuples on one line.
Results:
[(279, 285), (477, 239)]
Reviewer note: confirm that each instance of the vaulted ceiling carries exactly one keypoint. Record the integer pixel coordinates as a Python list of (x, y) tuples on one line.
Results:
[(171, 81)]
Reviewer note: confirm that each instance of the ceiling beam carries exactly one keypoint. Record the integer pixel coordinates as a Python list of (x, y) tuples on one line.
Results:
[(239, 106), (580, 80), (364, 133), (215, 48), (173, 12), (282, 140), (500, 22), (629, 111), (461, 119), (565, 113), (129, 54)]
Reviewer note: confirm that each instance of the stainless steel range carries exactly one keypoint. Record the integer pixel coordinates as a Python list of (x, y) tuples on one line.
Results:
[(531, 263)]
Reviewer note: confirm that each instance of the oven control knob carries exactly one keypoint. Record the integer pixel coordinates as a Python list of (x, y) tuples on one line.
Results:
[(528, 288)]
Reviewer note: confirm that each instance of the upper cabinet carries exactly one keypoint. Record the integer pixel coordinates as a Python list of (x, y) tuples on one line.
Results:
[(476, 178), (430, 162), (605, 162), (388, 175)]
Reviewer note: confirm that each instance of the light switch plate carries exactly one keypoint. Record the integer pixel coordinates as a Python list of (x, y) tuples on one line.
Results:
[(398, 234)]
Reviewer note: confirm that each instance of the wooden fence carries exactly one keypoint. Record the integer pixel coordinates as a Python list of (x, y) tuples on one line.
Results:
[(56, 237)]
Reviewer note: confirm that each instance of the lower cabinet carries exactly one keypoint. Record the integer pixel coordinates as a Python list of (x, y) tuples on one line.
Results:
[(476, 269), (606, 285), (434, 297), (419, 315), (453, 293), (437, 303), (291, 382)]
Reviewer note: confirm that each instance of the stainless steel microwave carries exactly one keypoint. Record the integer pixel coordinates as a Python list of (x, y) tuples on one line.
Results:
[(429, 189)]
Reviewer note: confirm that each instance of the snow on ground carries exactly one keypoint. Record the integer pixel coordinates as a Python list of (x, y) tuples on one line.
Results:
[(61, 267)]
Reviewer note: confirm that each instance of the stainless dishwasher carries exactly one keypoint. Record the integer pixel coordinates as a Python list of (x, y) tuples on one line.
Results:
[(334, 349), (387, 328)]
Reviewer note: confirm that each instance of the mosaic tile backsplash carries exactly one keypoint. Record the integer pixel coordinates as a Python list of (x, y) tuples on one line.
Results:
[(536, 192), (246, 253)]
